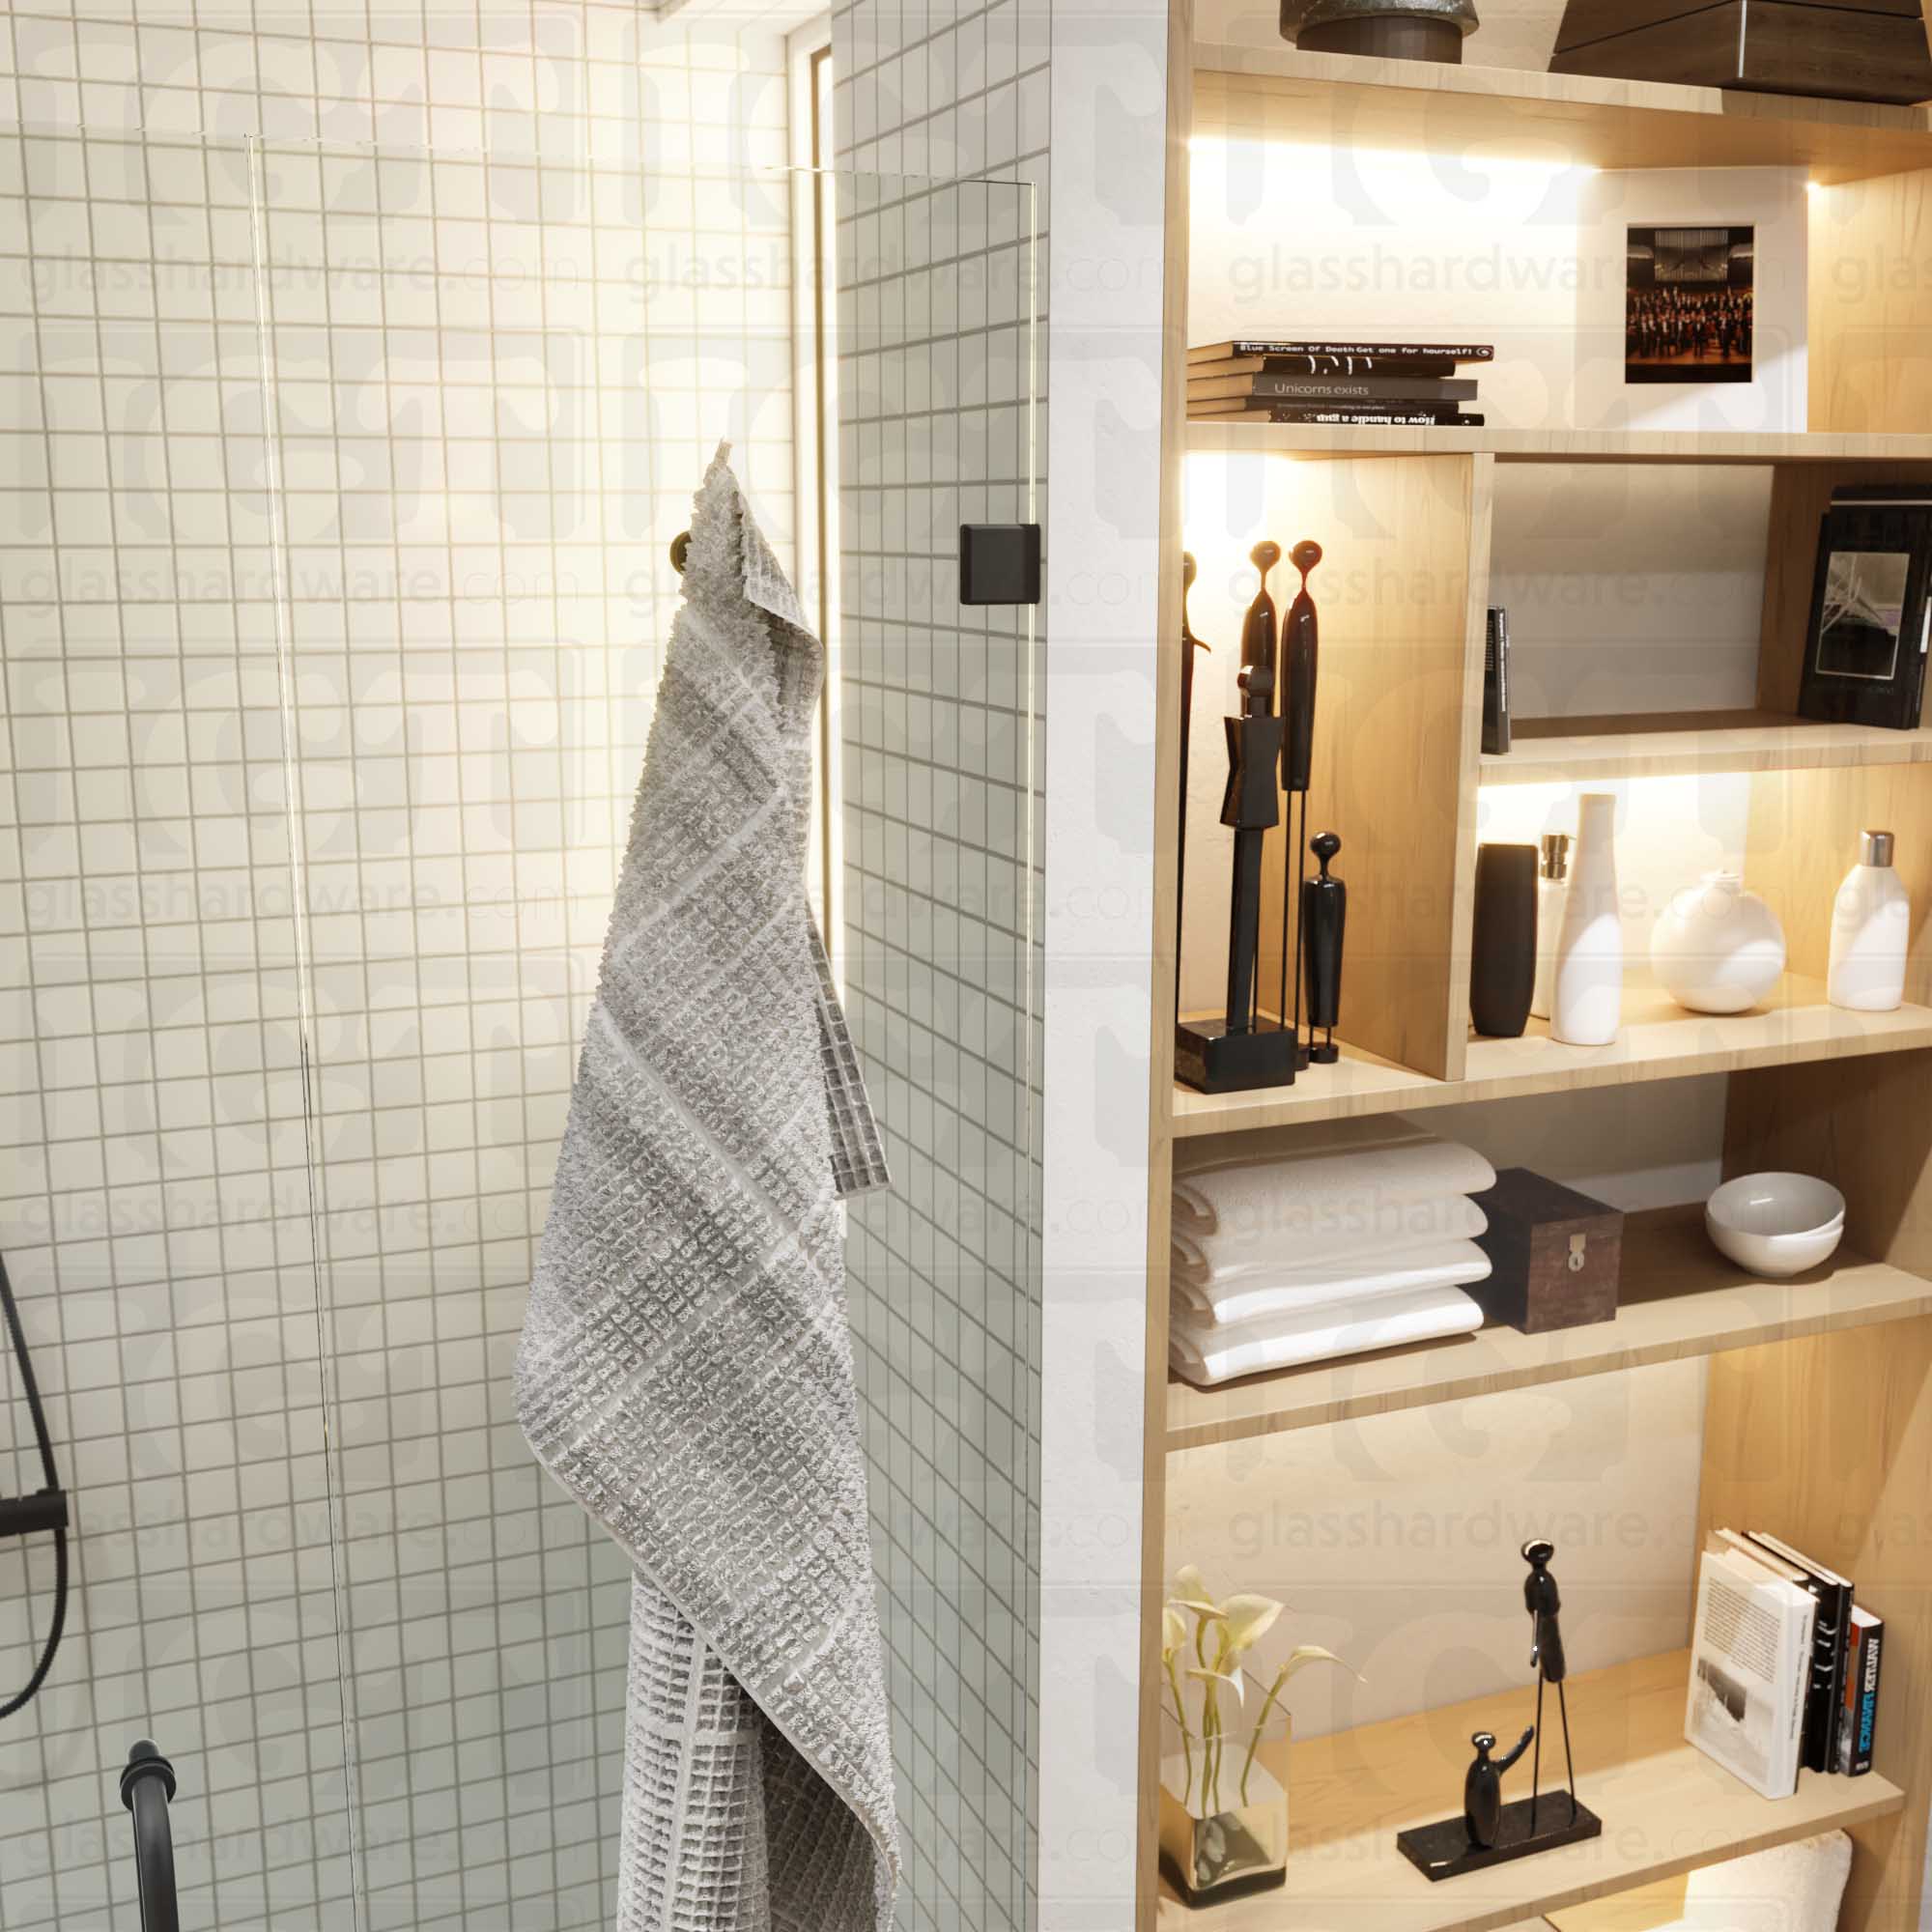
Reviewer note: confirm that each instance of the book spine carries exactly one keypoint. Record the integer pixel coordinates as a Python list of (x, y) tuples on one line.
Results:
[(1834, 1658), (1861, 1698), (1495, 686), (1414, 391), (1388, 418), (1394, 351)]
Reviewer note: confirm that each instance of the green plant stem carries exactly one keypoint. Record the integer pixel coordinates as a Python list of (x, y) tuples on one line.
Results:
[(1255, 1735), (1180, 1714)]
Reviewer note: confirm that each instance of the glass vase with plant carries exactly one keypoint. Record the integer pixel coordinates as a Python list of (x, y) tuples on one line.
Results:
[(1224, 1813)]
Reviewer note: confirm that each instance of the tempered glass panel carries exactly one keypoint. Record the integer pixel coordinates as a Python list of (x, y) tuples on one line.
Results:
[(155, 1217), (495, 387)]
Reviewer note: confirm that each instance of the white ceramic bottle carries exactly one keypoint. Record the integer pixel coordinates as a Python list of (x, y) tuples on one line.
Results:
[(1586, 1006), (1552, 888), (1871, 930)]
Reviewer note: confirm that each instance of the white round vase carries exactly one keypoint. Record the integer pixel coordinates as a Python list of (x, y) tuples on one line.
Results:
[(1718, 948)]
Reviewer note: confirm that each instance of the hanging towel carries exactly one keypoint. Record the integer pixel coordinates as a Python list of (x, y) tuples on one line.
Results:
[(686, 1366), (1325, 1188), (1210, 1356), (1345, 1283)]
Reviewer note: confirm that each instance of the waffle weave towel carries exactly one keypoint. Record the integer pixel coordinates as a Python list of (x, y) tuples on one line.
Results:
[(685, 1365)]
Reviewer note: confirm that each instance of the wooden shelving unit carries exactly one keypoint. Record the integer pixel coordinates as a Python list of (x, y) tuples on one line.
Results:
[(1667, 1808), (1235, 436), (1659, 1041), (1818, 1393), (1410, 107), (1692, 743), (1682, 1298)]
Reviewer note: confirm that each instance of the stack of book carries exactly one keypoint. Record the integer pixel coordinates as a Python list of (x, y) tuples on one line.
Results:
[(1784, 1665), (1391, 384)]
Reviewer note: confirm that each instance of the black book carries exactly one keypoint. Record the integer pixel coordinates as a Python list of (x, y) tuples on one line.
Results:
[(1857, 1716), (1420, 352), (1430, 367), (1496, 685), (1824, 1696), (1334, 389)]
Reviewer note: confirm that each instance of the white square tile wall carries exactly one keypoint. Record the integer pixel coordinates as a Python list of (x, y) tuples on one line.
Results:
[(936, 367), (493, 385)]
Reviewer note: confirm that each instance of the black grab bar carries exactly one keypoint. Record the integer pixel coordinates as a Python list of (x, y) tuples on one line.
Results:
[(146, 1784)]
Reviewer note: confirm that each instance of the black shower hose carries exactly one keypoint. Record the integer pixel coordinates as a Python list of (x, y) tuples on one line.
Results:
[(46, 1509)]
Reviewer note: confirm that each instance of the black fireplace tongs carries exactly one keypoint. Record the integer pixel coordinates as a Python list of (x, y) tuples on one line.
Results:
[(46, 1509)]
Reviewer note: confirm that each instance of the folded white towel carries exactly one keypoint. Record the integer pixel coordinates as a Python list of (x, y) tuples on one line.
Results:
[(1345, 1283), (1357, 1238), (1210, 1356), (1350, 1187)]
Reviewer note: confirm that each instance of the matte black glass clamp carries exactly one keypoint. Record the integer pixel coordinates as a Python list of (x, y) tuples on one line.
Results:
[(147, 1785)]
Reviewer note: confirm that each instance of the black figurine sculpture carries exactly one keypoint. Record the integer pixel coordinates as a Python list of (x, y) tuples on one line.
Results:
[(1324, 917), (1240, 1052), (1280, 662), (1189, 644), (1483, 1788), (1541, 1599), (1301, 640), (1489, 1831)]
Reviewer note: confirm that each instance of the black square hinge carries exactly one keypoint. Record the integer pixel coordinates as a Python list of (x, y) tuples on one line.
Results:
[(998, 563)]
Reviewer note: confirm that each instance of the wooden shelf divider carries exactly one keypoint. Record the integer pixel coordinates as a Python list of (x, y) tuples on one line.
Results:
[(1667, 1808), (1681, 1300)]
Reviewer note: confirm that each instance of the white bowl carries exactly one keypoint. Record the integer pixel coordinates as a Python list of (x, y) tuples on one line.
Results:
[(1776, 1224)]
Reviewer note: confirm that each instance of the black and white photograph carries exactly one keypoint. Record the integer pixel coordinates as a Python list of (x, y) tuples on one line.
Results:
[(1689, 305)]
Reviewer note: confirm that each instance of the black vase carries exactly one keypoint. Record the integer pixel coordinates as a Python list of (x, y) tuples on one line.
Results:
[(1502, 963)]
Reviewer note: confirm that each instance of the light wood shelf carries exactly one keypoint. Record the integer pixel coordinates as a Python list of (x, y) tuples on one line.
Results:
[(1238, 437), (1574, 120), (1666, 1806), (1574, 751), (1659, 1041), (1680, 1298)]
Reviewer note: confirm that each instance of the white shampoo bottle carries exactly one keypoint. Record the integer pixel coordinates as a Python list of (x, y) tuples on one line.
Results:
[(1586, 1003), (1552, 888), (1872, 930)]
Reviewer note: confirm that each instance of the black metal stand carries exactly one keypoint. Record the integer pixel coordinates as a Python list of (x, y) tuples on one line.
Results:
[(1443, 1850)]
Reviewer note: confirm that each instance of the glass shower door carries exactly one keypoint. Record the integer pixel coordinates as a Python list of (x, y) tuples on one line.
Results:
[(493, 386)]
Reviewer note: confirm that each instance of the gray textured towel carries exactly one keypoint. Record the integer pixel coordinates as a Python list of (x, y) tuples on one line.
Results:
[(686, 1367)]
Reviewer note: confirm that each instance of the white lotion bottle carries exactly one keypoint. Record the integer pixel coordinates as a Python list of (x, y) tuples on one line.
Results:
[(1871, 932), (1588, 1001), (1552, 888)]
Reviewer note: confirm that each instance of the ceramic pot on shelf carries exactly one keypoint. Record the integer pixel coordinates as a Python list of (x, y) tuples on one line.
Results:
[(1871, 932), (1718, 948), (1429, 30)]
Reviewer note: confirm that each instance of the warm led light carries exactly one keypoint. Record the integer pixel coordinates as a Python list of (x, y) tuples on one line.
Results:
[(1518, 165)]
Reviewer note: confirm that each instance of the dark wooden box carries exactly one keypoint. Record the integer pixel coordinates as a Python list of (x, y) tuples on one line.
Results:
[(1555, 1254), (1833, 49)]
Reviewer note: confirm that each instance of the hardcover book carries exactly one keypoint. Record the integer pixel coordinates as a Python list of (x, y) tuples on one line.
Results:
[(1824, 1695), (1750, 1654), (1858, 1721), (1335, 388), (1426, 352)]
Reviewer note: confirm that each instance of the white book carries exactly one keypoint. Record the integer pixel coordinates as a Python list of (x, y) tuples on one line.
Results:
[(1750, 1661)]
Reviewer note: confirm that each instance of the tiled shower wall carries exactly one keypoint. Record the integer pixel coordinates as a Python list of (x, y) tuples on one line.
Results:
[(941, 952), (478, 481)]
